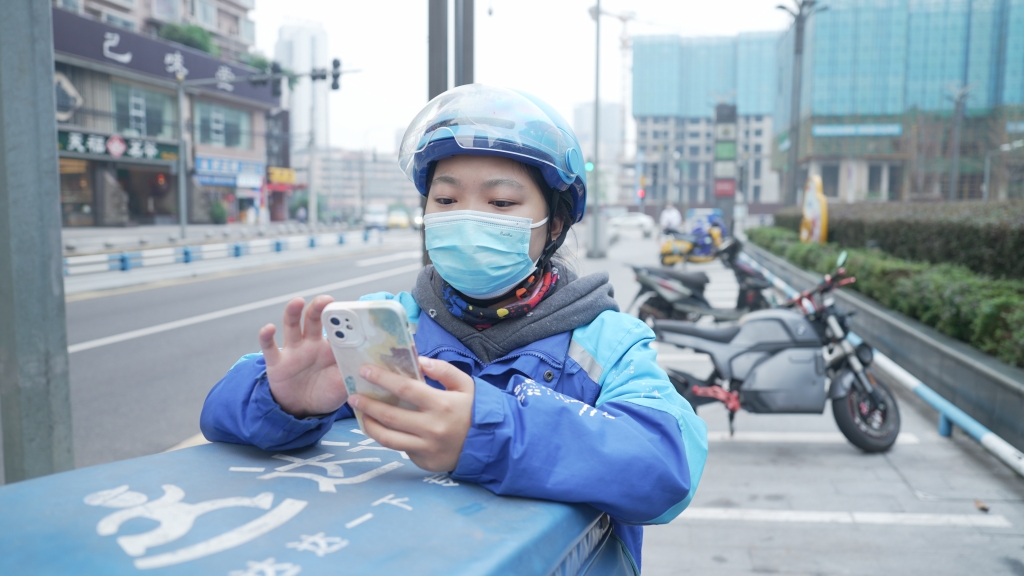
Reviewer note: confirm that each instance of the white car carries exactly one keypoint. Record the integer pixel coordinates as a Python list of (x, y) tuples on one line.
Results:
[(633, 221)]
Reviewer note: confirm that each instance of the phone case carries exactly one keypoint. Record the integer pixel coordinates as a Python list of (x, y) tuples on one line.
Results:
[(371, 332)]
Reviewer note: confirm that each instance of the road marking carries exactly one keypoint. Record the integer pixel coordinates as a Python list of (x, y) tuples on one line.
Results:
[(875, 518), (359, 520), (796, 437), (246, 469), (237, 309), (389, 258), (333, 443)]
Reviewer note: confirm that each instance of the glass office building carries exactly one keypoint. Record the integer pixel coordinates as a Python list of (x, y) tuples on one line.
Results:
[(676, 84), (877, 105)]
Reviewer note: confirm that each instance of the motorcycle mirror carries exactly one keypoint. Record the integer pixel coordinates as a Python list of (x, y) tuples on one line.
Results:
[(841, 260)]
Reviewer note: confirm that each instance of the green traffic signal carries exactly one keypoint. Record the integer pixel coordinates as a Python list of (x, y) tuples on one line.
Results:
[(589, 166)]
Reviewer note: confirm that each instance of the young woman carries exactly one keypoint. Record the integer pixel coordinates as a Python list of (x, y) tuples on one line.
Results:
[(538, 385)]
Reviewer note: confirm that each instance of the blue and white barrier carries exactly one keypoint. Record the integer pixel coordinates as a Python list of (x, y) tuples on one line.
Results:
[(125, 261), (949, 414)]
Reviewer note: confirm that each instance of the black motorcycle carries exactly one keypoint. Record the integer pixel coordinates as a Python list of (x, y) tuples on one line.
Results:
[(791, 360), (670, 294)]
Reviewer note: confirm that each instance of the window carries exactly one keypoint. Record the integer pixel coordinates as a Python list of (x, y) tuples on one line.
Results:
[(642, 134), (118, 21), (72, 5), (830, 180), (746, 133), (694, 120), (709, 135), (757, 148), (757, 132), (694, 171), (694, 150), (141, 112), (874, 180), (757, 169), (707, 149), (895, 182), (746, 147), (222, 126), (694, 134), (205, 13), (167, 10), (757, 194), (757, 118)]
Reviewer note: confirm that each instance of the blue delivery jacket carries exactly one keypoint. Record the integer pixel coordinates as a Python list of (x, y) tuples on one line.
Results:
[(583, 416)]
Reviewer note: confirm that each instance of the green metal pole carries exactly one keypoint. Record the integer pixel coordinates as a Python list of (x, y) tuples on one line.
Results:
[(35, 402)]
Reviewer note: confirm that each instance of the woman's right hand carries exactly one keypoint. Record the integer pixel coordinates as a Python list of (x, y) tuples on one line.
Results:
[(303, 375)]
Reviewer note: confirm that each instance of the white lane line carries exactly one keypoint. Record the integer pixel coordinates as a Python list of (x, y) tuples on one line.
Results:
[(189, 442), (333, 443), (813, 517), (237, 309), (389, 258), (246, 469), (359, 520), (796, 437)]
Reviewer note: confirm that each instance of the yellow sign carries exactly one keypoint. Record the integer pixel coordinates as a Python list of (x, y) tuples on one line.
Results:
[(276, 175), (814, 226)]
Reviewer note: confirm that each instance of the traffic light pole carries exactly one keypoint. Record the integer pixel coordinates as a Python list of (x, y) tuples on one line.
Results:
[(35, 401)]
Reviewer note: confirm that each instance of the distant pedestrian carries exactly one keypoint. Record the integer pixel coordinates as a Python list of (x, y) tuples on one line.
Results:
[(670, 219)]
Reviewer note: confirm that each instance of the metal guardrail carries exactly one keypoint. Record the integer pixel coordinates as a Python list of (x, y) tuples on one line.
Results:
[(949, 414), (129, 260)]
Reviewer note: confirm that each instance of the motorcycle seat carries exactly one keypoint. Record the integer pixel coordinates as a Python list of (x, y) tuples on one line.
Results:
[(698, 279), (724, 334)]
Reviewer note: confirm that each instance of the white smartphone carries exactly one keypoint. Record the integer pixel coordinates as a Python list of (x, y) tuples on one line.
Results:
[(371, 332)]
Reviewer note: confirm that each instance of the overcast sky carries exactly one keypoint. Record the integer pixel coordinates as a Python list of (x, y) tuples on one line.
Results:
[(545, 47)]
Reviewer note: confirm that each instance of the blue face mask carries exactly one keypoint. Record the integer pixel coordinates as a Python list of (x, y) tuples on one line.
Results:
[(480, 254)]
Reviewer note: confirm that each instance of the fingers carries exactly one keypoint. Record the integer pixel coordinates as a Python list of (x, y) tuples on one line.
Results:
[(449, 376), (270, 352), (389, 438), (292, 321), (314, 328), (408, 389), (394, 418)]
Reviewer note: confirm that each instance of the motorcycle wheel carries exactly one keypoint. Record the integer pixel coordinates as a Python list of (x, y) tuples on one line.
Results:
[(870, 430)]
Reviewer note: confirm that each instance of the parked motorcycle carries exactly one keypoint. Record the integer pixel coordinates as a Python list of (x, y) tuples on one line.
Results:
[(671, 294), (791, 360), (699, 246)]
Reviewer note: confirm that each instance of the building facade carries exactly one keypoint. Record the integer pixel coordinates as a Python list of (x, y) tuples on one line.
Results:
[(118, 129), (878, 90), (676, 84), (350, 180), (227, 21)]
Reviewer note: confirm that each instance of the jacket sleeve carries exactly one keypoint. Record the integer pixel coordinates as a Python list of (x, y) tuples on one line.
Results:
[(637, 455), (240, 408)]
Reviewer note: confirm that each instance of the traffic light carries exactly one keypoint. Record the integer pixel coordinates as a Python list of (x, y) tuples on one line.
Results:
[(641, 193), (589, 166), (335, 74), (275, 83)]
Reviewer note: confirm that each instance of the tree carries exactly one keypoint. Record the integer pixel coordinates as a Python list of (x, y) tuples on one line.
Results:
[(189, 35)]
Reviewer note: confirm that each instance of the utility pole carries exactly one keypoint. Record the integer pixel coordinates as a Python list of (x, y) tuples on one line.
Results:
[(463, 42), (596, 249), (958, 94), (804, 10), (35, 401), (182, 157)]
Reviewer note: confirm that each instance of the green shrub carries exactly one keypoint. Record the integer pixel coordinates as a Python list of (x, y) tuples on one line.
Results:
[(189, 35), (218, 213), (986, 312), (789, 218), (986, 237)]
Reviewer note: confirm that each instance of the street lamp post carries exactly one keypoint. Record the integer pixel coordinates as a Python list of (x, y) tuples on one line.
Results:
[(182, 159), (959, 97), (804, 10), (988, 163), (596, 250)]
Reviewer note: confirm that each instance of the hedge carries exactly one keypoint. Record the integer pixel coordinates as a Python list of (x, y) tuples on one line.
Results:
[(985, 312), (986, 237)]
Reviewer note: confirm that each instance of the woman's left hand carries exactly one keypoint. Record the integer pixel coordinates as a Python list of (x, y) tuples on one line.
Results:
[(433, 435)]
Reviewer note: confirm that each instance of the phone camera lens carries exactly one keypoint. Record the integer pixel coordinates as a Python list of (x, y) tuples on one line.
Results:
[(335, 321), (339, 333)]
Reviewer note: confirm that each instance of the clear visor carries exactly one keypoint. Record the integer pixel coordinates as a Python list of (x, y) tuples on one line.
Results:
[(486, 118)]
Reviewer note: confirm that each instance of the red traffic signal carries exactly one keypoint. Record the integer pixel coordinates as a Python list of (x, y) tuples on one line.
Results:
[(641, 193)]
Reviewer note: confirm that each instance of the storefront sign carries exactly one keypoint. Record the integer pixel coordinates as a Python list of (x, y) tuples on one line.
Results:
[(277, 175), (114, 147), (725, 188), (229, 172), (836, 130), (92, 40)]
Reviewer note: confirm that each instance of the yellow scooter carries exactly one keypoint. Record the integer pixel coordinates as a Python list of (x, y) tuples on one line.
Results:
[(699, 247)]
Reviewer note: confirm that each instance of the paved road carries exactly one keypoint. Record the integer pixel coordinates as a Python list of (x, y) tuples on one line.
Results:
[(787, 496)]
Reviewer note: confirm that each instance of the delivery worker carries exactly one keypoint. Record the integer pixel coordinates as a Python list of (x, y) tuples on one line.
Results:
[(538, 386)]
